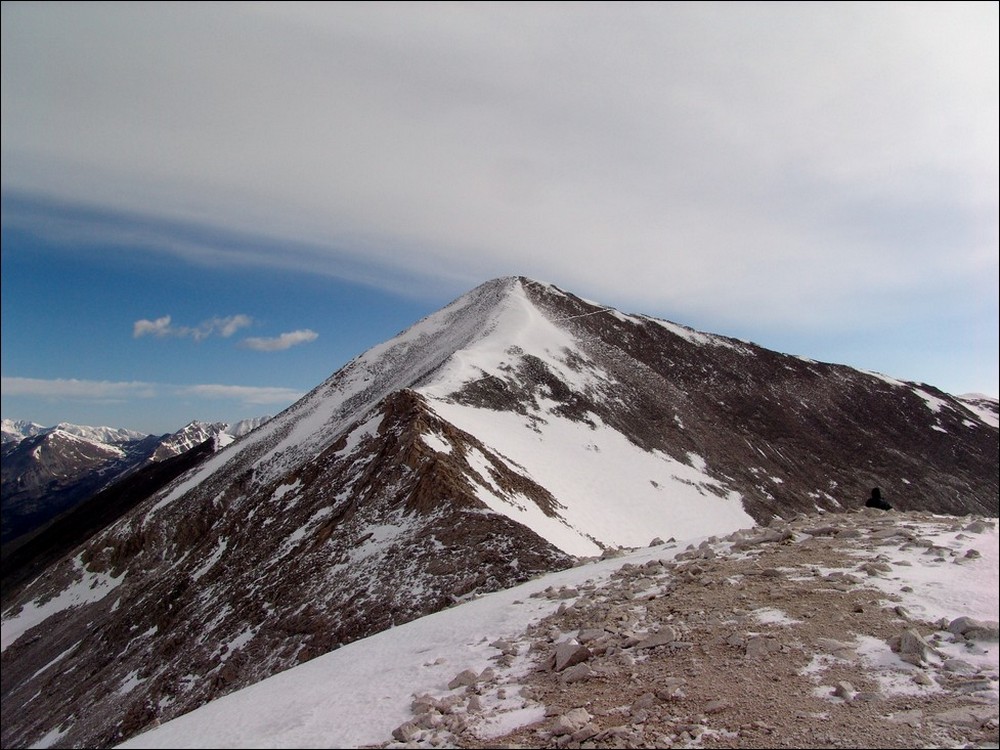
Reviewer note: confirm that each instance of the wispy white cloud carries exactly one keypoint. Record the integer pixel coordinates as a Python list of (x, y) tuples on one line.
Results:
[(278, 343), (807, 168), (224, 327), (228, 326), (747, 161), (158, 327), (102, 390), (70, 388)]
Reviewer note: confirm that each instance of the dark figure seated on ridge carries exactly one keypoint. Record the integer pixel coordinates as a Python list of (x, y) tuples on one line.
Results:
[(876, 501)]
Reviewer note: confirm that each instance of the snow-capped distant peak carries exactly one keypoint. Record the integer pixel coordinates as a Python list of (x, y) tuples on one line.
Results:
[(197, 432), (193, 434), (14, 431), (110, 435), (241, 428)]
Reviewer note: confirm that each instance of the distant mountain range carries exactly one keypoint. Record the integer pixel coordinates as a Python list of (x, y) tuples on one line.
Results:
[(48, 470), (15, 431), (514, 432)]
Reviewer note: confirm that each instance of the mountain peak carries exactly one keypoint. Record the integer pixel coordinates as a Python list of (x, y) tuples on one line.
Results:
[(516, 430)]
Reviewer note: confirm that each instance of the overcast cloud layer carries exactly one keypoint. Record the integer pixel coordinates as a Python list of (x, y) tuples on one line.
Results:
[(813, 166)]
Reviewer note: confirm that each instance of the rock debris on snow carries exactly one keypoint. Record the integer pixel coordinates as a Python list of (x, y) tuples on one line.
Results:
[(833, 662)]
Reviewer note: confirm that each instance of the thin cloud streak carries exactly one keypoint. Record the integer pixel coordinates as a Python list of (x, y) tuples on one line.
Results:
[(71, 389), (280, 343), (248, 394)]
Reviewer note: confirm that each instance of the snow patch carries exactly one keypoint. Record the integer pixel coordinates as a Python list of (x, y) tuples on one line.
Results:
[(54, 661), (88, 588), (216, 555), (934, 403), (699, 338), (296, 536), (601, 480), (436, 443), (773, 616), (367, 429), (284, 489), (51, 738), (130, 682)]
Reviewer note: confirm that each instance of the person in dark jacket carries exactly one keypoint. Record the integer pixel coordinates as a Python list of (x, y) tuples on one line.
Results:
[(876, 501)]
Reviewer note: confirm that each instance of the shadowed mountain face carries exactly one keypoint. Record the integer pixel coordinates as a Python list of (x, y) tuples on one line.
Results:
[(31, 553), (47, 472), (498, 438), (787, 433)]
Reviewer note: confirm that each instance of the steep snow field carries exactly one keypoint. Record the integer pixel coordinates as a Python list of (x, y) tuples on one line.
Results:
[(608, 487)]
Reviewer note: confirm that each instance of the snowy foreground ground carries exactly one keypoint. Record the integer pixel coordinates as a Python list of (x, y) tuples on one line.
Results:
[(357, 695)]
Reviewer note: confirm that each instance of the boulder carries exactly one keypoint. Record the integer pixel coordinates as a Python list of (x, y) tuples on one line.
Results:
[(568, 654), (576, 673), (973, 717), (760, 645), (464, 678), (666, 634), (844, 689), (975, 630), (572, 721)]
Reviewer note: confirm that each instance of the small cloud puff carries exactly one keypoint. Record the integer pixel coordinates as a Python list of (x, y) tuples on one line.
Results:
[(158, 327), (279, 343), (161, 327)]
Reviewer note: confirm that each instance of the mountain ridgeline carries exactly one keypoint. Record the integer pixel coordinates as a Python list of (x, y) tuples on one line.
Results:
[(511, 433)]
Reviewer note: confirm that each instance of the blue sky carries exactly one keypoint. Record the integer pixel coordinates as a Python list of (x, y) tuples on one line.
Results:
[(293, 183), (93, 314)]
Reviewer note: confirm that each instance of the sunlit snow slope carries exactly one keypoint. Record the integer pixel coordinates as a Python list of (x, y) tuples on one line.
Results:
[(607, 488)]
